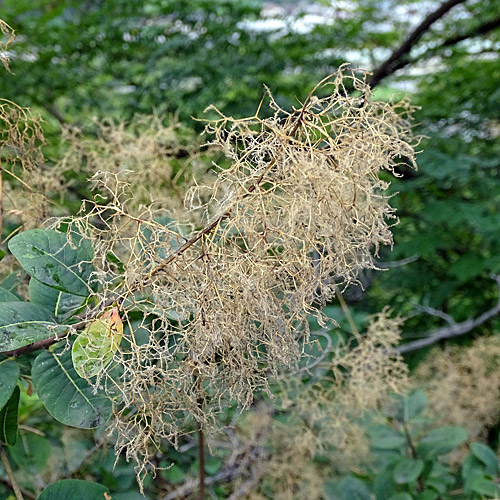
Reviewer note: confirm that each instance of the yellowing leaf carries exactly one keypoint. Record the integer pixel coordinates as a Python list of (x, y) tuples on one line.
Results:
[(97, 343)]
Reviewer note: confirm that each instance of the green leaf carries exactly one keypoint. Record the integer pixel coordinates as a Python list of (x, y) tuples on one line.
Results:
[(407, 470), (174, 474), (348, 488), (484, 486), (7, 296), (22, 323), (68, 397), (60, 304), (415, 404), (3, 253), (427, 495), (74, 489), (9, 372), (51, 258), (440, 441), (471, 468), (31, 453), (383, 485), (8, 419), (401, 496), (487, 456), (385, 438), (96, 345)]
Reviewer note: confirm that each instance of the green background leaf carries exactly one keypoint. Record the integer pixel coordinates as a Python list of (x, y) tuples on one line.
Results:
[(441, 441)]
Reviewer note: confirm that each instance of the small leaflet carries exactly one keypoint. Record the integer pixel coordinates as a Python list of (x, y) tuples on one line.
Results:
[(96, 345)]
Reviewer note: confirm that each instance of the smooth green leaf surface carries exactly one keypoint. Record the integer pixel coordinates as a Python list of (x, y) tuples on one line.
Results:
[(60, 304), (51, 258), (7, 296), (8, 419), (487, 456), (401, 496), (441, 441), (31, 453), (427, 495), (22, 323), (486, 487), (407, 470), (348, 488), (9, 372), (74, 489), (385, 438), (68, 397)]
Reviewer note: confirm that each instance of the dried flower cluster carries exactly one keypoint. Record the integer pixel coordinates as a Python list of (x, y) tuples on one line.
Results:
[(463, 387), (152, 156), (8, 32), (322, 414), (300, 211), (24, 181)]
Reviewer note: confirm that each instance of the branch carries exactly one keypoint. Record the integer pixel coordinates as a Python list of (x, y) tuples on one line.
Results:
[(398, 58), (482, 29), (454, 330), (46, 343)]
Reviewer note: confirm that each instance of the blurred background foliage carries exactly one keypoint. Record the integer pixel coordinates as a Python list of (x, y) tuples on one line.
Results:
[(79, 62)]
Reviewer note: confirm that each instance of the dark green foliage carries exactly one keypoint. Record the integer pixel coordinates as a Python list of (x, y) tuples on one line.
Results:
[(68, 397), (9, 373), (8, 419), (74, 489), (414, 467), (56, 260)]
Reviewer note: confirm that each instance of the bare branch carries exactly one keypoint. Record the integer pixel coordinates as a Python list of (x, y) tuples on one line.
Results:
[(435, 312), (454, 330), (398, 58)]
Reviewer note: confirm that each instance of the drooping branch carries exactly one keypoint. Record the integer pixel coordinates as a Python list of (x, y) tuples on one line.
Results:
[(453, 330), (399, 57)]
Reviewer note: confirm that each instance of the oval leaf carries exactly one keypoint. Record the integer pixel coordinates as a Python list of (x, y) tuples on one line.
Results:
[(48, 256), (8, 419), (407, 470), (385, 438), (74, 489), (96, 345), (441, 441), (9, 372), (22, 323), (68, 397), (7, 296), (62, 305), (487, 456)]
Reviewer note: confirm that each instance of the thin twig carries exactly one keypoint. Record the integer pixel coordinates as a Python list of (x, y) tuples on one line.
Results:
[(454, 330), (10, 473)]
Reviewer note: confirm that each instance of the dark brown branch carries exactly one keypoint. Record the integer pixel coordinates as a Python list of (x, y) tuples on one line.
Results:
[(482, 29), (454, 330), (399, 56)]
